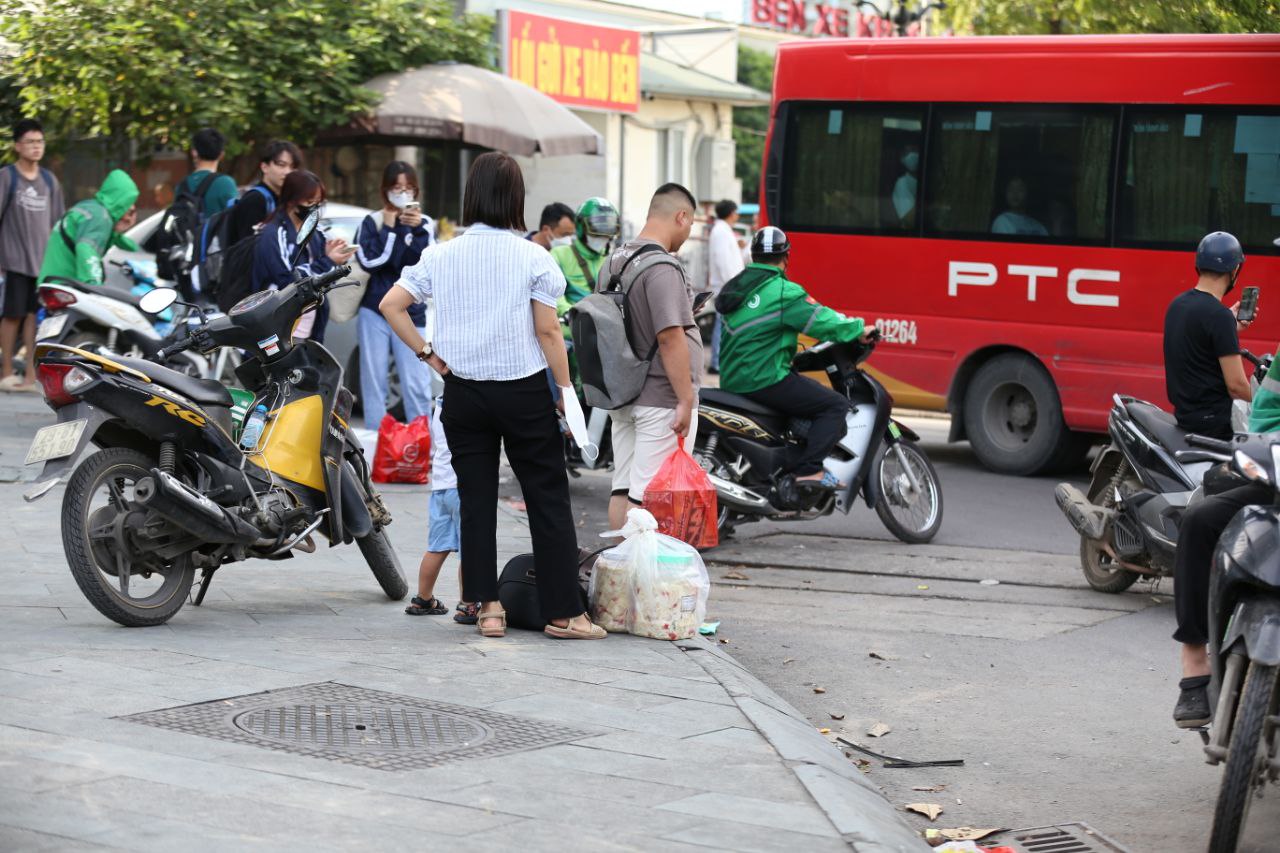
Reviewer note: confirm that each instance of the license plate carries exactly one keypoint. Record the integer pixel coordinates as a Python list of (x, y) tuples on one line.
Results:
[(55, 442), (51, 327)]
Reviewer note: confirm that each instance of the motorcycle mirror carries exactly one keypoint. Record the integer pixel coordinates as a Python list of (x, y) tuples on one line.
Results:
[(156, 301), (308, 228)]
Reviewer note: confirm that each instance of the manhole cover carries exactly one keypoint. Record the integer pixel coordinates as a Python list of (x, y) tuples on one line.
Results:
[(385, 731), (1063, 838)]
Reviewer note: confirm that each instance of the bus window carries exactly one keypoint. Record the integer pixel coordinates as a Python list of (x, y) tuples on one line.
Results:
[(852, 169), (1039, 173), (1188, 172)]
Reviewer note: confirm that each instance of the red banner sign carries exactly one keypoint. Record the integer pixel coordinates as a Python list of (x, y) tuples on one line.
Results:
[(579, 65)]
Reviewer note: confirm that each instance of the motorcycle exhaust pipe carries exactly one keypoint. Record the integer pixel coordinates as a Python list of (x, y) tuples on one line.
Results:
[(737, 498), (164, 494), (1088, 519)]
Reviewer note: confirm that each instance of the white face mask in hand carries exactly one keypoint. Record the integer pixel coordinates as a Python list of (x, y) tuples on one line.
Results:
[(399, 199)]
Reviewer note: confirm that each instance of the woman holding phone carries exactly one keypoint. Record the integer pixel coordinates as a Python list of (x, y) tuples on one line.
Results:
[(388, 242), (301, 193)]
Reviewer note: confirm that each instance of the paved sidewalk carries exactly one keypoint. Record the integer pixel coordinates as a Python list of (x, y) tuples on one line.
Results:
[(623, 744)]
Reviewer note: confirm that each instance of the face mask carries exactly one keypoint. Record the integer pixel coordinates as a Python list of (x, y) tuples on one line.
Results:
[(305, 210), (561, 241), (599, 245), (911, 161), (399, 198)]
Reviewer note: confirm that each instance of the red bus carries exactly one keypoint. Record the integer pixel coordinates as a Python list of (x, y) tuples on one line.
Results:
[(1017, 213)]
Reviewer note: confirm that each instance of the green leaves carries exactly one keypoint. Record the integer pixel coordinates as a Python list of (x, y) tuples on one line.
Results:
[(256, 69), (997, 17), (750, 124)]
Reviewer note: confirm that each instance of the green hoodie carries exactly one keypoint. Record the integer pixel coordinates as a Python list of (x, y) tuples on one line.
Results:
[(1266, 403), (763, 315), (90, 228)]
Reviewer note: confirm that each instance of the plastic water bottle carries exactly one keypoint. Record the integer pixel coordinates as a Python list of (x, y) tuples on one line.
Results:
[(253, 428)]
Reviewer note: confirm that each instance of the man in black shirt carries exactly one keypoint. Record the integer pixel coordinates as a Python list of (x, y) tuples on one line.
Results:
[(278, 159), (1202, 366)]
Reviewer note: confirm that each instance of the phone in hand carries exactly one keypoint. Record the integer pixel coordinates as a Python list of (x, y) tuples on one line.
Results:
[(1248, 305), (415, 206)]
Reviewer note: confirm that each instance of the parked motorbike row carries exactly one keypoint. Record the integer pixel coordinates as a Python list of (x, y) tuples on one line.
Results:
[(1142, 483)]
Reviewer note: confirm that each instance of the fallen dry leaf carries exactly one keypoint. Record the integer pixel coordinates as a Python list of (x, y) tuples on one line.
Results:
[(819, 690), (879, 730), (786, 661), (932, 789), (967, 833), (863, 764), (824, 731), (929, 810), (735, 575), (724, 642), (836, 716)]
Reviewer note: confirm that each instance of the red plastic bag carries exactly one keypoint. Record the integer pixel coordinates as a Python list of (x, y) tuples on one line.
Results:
[(404, 451), (680, 496)]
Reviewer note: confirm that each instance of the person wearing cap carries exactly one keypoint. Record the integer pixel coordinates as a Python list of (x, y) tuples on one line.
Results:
[(764, 313), (1203, 374), (595, 227)]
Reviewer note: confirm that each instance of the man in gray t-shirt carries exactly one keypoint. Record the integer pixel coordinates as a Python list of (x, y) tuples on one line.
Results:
[(30, 204), (661, 310)]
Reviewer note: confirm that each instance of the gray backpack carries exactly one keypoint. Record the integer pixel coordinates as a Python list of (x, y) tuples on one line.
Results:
[(611, 372)]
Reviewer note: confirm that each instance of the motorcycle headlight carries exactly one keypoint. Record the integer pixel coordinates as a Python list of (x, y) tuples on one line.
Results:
[(1247, 466)]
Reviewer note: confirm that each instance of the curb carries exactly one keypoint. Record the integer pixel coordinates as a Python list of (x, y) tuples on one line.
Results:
[(862, 815)]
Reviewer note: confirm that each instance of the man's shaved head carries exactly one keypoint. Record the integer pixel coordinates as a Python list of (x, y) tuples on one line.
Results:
[(669, 200)]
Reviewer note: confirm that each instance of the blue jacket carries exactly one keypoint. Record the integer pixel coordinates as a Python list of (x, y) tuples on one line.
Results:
[(386, 252), (271, 261)]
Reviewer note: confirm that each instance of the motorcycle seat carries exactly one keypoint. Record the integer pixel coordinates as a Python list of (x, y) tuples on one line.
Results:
[(727, 400), (1160, 425), (206, 392), (100, 289)]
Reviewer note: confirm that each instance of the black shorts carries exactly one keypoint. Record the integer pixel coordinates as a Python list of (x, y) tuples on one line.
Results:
[(19, 295)]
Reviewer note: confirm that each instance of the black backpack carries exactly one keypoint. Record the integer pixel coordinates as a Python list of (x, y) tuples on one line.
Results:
[(174, 242), (518, 589), (215, 242), (235, 276)]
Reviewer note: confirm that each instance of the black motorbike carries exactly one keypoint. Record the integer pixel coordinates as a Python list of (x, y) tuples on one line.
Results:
[(1244, 638), (743, 446), (176, 487), (1128, 519)]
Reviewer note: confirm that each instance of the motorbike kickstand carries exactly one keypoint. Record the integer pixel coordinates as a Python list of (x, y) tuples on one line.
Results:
[(206, 575)]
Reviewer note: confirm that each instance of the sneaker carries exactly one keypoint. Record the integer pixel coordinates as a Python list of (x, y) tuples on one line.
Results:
[(1192, 710)]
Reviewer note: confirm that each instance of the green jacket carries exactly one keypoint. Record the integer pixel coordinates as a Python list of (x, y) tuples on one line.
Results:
[(763, 315), (1266, 403), (578, 286), (90, 226)]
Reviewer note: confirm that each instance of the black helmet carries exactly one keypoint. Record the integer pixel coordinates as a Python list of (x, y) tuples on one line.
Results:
[(1219, 252), (770, 240)]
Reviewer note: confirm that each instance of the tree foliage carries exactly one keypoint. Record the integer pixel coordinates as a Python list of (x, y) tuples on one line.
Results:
[(152, 73), (755, 69), (997, 17)]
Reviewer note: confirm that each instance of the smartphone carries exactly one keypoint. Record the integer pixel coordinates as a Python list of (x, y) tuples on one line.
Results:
[(413, 205), (1248, 305)]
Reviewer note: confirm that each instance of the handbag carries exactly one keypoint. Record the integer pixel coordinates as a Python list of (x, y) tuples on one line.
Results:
[(344, 302), (518, 589)]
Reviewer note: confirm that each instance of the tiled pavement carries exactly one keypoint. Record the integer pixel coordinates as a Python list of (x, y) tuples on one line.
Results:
[(679, 747)]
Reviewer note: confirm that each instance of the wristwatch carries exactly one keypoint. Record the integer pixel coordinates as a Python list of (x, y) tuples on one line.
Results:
[(426, 352)]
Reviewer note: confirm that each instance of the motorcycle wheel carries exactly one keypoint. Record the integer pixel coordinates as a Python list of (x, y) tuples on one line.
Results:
[(384, 564), (131, 598), (1247, 755), (1099, 569), (92, 341), (914, 519)]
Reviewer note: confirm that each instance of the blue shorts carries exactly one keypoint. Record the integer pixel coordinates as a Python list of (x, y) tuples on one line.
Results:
[(444, 526)]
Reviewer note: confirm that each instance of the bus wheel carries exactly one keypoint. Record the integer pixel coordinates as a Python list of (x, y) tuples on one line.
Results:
[(1013, 417)]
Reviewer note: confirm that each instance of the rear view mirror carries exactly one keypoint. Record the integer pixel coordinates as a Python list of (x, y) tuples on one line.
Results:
[(308, 228), (156, 301)]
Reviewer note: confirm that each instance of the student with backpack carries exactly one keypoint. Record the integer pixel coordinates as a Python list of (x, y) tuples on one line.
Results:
[(279, 158), (301, 193), (30, 202), (390, 241), (215, 191), (176, 243)]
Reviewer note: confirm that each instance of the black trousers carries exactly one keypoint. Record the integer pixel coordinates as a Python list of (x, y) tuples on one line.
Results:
[(1201, 527), (479, 419), (801, 397)]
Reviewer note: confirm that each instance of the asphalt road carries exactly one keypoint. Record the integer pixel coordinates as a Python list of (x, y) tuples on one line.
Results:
[(1058, 698)]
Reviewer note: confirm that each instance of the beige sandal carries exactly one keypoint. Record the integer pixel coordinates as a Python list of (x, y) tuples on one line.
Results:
[(500, 631), (568, 632)]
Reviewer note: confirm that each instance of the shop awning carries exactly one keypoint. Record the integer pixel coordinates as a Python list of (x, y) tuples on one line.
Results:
[(666, 79), (452, 101)]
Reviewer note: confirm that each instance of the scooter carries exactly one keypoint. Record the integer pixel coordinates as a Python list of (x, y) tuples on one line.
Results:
[(1244, 638), (184, 481), (742, 445), (1128, 519)]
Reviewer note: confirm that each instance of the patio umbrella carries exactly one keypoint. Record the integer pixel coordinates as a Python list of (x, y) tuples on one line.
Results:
[(449, 100)]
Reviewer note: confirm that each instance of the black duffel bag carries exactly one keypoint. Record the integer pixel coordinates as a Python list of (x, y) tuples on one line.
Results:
[(518, 589)]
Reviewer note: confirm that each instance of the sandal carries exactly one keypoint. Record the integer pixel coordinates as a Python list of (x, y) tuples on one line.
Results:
[(430, 607), (500, 631), (465, 613), (568, 632)]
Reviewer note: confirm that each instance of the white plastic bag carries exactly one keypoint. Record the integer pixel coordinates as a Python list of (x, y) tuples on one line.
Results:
[(651, 585)]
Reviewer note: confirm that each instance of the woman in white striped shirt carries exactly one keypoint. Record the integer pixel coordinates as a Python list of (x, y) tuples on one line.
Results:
[(496, 332)]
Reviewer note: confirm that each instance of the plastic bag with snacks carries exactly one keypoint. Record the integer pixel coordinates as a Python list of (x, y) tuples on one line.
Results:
[(683, 500)]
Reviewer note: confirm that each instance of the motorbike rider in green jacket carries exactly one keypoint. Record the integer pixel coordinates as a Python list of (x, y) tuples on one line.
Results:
[(595, 227), (83, 235), (764, 314)]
